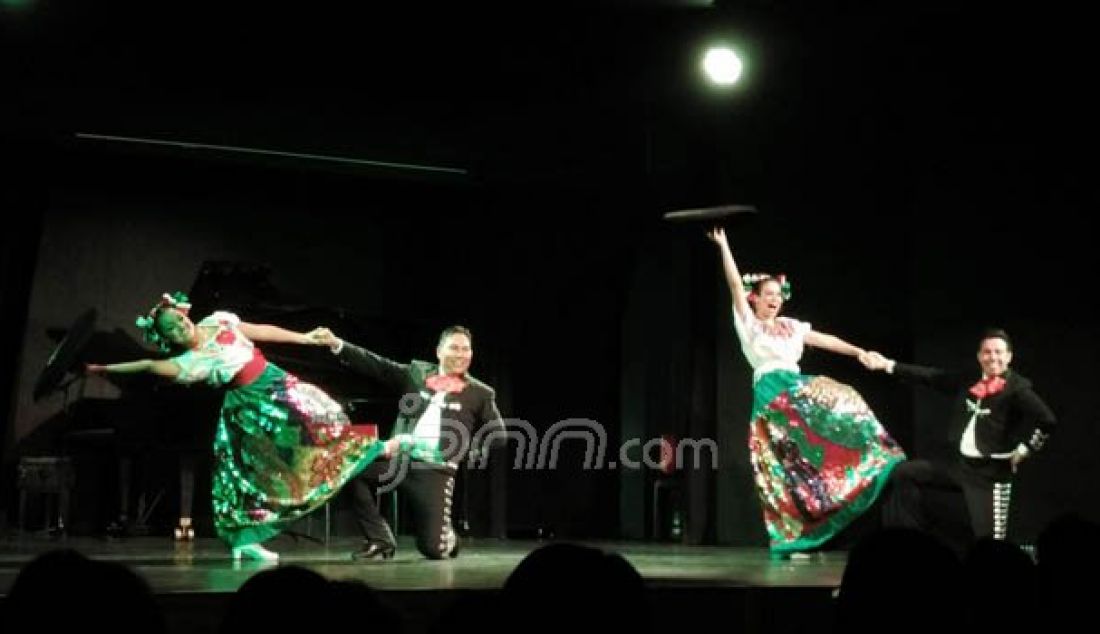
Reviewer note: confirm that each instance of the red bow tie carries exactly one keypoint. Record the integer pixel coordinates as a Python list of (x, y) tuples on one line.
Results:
[(987, 387), (445, 383)]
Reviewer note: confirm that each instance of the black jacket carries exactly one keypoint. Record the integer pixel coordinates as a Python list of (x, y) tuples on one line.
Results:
[(1015, 414), (465, 412)]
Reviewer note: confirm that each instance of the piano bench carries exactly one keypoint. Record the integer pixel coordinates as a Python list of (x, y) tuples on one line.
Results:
[(49, 476)]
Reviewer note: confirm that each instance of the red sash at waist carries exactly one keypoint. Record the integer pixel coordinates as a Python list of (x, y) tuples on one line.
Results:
[(251, 370)]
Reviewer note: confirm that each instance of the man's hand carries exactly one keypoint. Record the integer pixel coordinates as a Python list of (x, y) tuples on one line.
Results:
[(323, 337), (874, 361), (1017, 457)]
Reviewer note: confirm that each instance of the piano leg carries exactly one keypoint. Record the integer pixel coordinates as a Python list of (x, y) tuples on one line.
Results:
[(62, 511), (185, 531), (22, 509), (120, 527)]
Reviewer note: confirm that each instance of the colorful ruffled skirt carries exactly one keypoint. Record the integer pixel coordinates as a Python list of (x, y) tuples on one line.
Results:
[(282, 449), (820, 458)]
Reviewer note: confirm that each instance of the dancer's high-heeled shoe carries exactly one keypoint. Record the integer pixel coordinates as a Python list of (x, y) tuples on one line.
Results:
[(374, 551), (254, 551)]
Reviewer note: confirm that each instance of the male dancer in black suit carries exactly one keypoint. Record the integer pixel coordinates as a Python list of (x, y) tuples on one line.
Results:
[(997, 421), (441, 409)]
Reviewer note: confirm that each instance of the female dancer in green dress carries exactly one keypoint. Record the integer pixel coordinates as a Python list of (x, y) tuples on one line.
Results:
[(282, 447), (820, 457)]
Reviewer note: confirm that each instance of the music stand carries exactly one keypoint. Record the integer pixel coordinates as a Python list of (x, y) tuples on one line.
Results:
[(64, 356)]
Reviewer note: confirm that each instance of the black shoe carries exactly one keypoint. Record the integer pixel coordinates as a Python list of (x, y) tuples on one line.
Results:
[(373, 550)]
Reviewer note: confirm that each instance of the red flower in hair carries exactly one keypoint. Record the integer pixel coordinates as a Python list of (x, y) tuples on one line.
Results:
[(987, 387)]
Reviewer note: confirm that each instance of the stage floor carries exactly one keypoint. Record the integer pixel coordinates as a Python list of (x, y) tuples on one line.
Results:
[(204, 566), (745, 587)]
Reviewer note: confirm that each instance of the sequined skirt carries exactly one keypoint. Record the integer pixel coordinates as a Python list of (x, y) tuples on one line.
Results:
[(282, 449), (820, 458)]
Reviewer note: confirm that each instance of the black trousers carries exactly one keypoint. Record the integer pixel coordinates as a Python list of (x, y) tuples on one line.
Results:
[(921, 495), (429, 490)]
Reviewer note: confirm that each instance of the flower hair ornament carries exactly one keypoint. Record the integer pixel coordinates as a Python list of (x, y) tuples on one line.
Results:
[(148, 322), (750, 280)]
